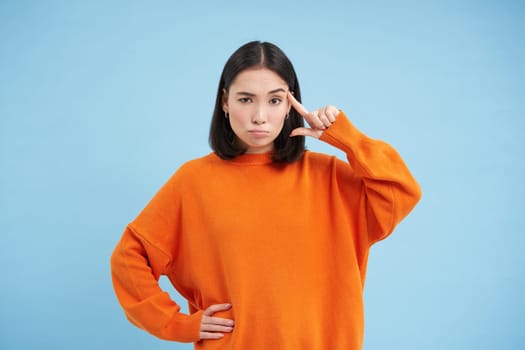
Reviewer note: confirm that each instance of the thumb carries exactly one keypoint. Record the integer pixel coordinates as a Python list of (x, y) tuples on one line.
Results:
[(306, 132)]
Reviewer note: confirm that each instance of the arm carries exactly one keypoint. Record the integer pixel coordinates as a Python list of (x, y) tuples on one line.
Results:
[(390, 191), (138, 261), (136, 266)]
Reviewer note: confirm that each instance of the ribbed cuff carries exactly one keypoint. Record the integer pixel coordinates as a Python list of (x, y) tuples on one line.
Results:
[(184, 328), (346, 137)]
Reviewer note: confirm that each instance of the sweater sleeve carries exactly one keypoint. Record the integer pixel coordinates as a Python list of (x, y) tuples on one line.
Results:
[(390, 190), (139, 259)]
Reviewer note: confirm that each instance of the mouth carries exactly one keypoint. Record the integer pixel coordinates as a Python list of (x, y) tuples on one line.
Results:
[(258, 132)]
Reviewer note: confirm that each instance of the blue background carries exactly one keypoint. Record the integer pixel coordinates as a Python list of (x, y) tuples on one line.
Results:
[(101, 101)]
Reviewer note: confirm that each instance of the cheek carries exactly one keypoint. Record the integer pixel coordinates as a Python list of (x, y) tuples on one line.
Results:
[(239, 112), (278, 115), (238, 118)]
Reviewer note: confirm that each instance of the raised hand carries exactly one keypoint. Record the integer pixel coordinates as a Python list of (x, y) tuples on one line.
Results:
[(319, 119), (215, 327)]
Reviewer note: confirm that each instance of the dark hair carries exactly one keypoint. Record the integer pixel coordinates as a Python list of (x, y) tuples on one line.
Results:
[(251, 55)]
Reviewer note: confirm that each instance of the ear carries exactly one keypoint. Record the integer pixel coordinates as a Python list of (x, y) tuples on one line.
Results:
[(224, 100)]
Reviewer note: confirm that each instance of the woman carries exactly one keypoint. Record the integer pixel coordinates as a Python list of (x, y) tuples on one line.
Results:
[(267, 242)]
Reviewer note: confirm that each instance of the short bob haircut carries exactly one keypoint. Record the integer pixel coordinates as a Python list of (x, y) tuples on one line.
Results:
[(253, 55)]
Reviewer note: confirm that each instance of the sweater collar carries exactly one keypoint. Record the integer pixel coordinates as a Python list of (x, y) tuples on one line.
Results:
[(253, 159)]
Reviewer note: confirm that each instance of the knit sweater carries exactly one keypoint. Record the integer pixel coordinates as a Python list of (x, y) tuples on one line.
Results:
[(286, 245)]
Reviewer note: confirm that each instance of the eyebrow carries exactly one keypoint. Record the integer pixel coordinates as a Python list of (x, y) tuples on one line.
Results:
[(244, 93)]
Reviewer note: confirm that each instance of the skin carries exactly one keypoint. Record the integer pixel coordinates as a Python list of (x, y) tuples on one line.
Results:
[(257, 106), (257, 102)]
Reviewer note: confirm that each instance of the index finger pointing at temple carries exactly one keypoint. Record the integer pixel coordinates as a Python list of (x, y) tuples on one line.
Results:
[(297, 105)]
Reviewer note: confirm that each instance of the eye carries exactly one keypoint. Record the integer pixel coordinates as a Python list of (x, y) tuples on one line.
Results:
[(245, 100), (275, 101)]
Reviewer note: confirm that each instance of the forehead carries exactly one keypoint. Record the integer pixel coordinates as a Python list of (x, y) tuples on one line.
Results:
[(257, 80)]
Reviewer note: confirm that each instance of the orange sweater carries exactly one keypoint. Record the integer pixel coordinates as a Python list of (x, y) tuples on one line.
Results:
[(287, 246)]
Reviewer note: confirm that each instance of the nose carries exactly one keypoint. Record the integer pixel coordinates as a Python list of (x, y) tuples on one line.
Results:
[(259, 117)]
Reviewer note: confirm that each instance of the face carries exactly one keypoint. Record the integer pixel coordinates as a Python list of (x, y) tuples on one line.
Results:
[(257, 105)]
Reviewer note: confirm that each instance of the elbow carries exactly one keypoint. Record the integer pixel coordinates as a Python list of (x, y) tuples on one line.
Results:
[(412, 197), (114, 260), (417, 193), (406, 201)]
